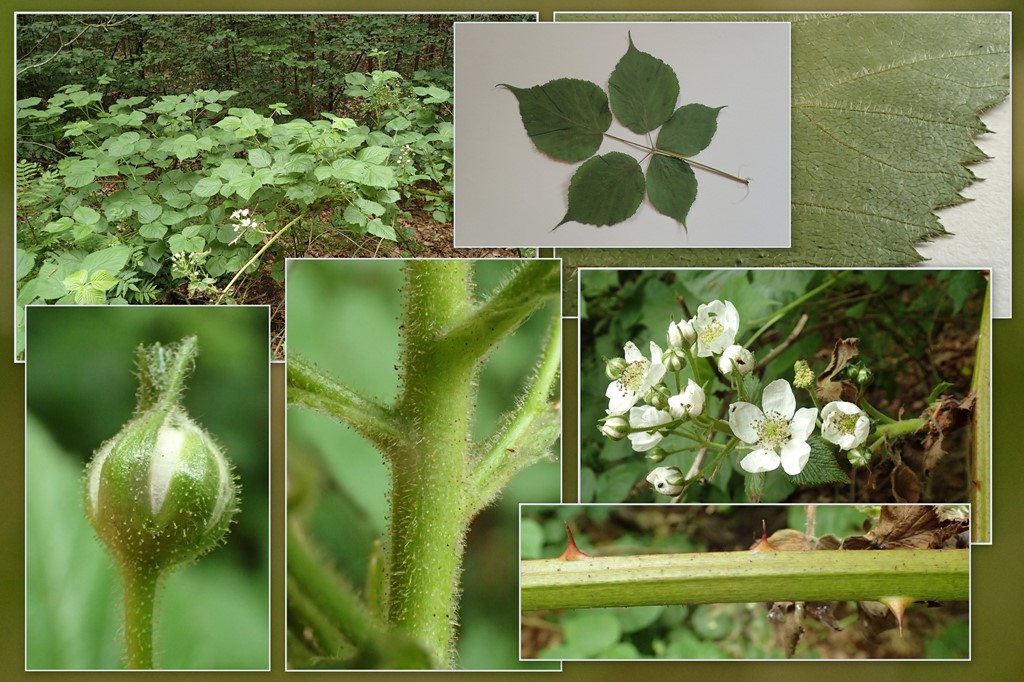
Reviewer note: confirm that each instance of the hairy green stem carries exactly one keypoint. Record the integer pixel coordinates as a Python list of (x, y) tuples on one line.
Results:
[(900, 428), (162, 372), (429, 515), (723, 577), (310, 388), (525, 440), (334, 596), (140, 586)]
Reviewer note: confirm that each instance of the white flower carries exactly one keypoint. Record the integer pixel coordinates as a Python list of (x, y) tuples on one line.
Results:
[(716, 325), (646, 417), (779, 432), (844, 424), (688, 403), (666, 480), (637, 377), (736, 358)]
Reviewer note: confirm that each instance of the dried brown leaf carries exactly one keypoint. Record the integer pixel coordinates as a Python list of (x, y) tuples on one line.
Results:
[(905, 486), (829, 386)]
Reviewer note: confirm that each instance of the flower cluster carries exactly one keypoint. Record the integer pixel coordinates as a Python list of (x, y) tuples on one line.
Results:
[(242, 222), (773, 433)]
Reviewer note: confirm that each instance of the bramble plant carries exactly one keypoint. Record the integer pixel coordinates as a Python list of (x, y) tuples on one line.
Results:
[(441, 477), (568, 119), (123, 202), (770, 427), (161, 493)]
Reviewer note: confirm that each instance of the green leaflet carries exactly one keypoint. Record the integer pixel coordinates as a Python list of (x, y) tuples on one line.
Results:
[(642, 90), (566, 118), (605, 190), (885, 109), (690, 129), (671, 186)]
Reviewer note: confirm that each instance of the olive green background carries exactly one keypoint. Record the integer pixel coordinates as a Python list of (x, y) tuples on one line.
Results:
[(998, 595)]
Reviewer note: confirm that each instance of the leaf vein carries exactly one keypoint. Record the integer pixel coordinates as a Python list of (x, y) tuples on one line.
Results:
[(903, 64)]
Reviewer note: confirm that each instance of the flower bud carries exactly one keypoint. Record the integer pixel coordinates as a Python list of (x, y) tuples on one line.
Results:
[(689, 403), (613, 368), (615, 428), (161, 492), (657, 397), (736, 358), (673, 361), (803, 376), (666, 480), (656, 455)]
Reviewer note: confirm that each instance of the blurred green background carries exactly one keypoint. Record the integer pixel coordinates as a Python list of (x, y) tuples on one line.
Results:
[(714, 631), (81, 388), (345, 317)]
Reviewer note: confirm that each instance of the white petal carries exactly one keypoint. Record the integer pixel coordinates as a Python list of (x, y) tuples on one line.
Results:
[(795, 454), (619, 400), (778, 397), (803, 423), (743, 418), (645, 440), (759, 461), (632, 353)]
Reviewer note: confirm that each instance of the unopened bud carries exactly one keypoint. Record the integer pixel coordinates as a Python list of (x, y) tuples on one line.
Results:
[(613, 368), (656, 455), (161, 492), (615, 428)]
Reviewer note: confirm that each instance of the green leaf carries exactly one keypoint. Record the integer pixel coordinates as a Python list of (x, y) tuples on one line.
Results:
[(591, 631), (25, 262), (207, 187), (374, 155), (566, 118), (671, 186), (259, 158), (605, 190), (821, 467), (376, 227), (86, 215), (150, 213), (690, 129), (101, 280), (642, 90), (153, 231), (111, 259), (885, 111), (79, 173)]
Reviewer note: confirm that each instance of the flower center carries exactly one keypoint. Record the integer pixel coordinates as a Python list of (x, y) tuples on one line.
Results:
[(711, 331), (845, 423), (633, 374), (772, 431)]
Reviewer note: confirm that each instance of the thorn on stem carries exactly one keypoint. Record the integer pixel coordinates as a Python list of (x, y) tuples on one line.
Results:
[(572, 552), (897, 606), (763, 545)]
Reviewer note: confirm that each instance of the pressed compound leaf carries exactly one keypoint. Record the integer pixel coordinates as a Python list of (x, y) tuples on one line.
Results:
[(643, 90), (885, 110), (690, 129), (671, 186), (566, 118), (605, 190)]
